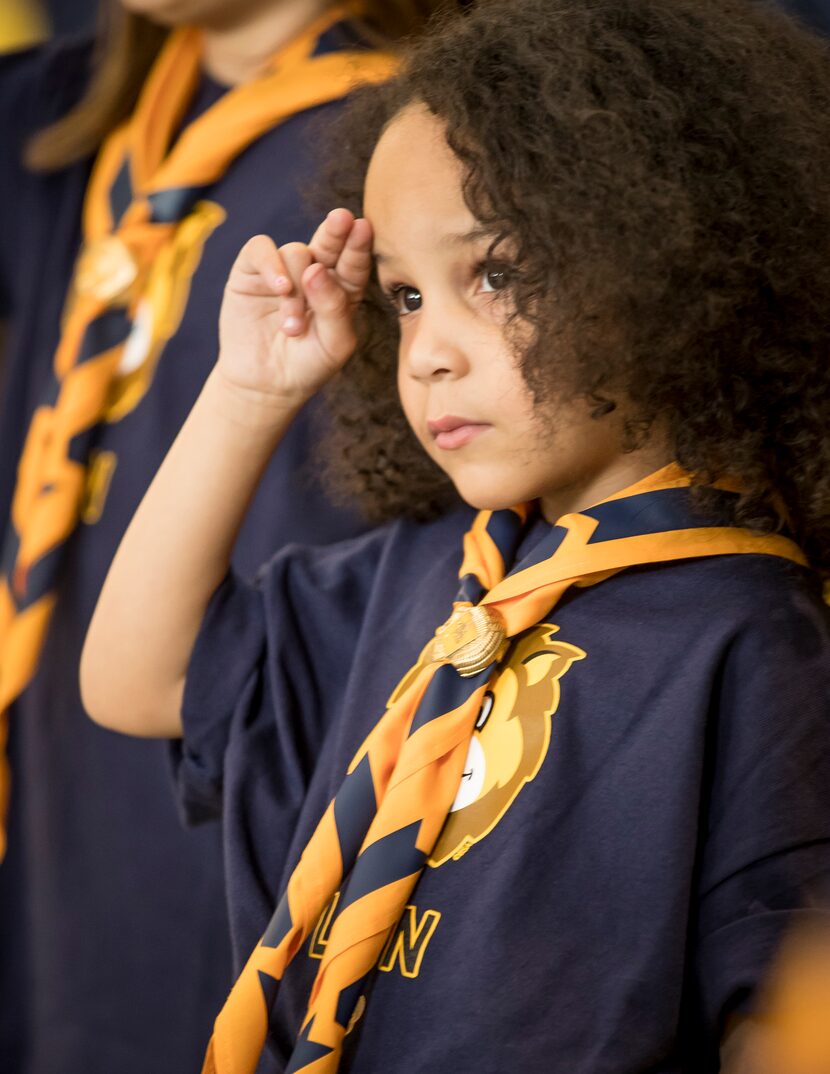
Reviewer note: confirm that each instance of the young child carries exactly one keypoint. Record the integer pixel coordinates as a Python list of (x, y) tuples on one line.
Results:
[(566, 827)]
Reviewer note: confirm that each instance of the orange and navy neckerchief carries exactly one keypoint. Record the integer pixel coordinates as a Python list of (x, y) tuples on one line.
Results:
[(143, 188), (375, 837)]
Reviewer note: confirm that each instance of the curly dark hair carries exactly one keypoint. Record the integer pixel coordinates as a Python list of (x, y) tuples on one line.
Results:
[(661, 170)]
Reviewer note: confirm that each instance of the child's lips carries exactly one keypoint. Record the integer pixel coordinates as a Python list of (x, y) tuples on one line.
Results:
[(451, 433)]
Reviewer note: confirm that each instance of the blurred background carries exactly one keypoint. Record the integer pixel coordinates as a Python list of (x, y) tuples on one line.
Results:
[(23, 22), (68, 16)]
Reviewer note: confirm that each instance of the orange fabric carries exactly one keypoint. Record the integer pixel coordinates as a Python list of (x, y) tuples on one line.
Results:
[(23, 635), (791, 1030), (481, 556), (50, 486)]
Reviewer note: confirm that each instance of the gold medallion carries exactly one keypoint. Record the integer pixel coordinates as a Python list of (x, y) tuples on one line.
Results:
[(471, 639), (106, 270)]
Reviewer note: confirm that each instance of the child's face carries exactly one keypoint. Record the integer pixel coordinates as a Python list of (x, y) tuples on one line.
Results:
[(460, 386)]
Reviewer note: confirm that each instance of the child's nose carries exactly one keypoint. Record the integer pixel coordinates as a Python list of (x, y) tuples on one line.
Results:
[(433, 350)]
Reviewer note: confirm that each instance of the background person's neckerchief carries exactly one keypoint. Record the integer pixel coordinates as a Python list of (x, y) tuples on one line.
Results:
[(376, 835), (142, 190)]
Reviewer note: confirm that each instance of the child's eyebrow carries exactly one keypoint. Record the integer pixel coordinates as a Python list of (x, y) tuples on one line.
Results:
[(460, 238), (466, 238)]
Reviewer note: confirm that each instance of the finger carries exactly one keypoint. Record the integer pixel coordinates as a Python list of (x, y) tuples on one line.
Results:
[(328, 240), (259, 269), (344, 244), (354, 265), (332, 309), (296, 257)]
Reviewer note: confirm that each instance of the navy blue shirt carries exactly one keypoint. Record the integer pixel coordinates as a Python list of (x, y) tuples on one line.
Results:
[(644, 807), (115, 952)]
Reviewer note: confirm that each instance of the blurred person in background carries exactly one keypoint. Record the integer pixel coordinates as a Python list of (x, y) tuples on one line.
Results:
[(133, 169), (71, 16)]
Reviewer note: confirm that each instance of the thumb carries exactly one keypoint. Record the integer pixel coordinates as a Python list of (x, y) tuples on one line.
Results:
[(332, 312)]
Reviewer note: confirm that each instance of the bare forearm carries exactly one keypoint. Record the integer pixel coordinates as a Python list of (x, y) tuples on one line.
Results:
[(174, 554), (285, 328)]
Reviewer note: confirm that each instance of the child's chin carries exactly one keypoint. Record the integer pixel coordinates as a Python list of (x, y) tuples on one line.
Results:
[(487, 499)]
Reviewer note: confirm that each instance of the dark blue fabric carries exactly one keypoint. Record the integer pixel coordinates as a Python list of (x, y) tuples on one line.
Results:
[(388, 860), (306, 1051), (635, 891), (71, 16), (121, 194), (354, 809), (813, 13), (655, 512), (279, 926), (124, 936), (442, 695), (548, 541), (173, 204)]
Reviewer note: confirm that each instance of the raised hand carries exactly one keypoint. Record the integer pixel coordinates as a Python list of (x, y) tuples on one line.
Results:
[(286, 325), (285, 328)]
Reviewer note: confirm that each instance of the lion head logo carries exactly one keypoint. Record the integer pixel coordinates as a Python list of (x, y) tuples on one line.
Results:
[(510, 740), (161, 308)]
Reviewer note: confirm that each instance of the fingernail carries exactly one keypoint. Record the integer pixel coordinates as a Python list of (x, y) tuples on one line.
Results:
[(292, 324), (281, 282)]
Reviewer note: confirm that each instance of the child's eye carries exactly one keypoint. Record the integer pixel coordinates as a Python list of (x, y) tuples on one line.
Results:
[(494, 278), (405, 299)]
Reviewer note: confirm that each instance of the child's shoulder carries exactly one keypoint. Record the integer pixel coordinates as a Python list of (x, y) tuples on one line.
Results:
[(776, 630), (735, 588), (710, 612), (778, 627), (748, 590), (403, 549), (757, 621)]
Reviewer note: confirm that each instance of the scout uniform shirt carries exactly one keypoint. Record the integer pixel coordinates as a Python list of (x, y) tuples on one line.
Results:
[(645, 802), (113, 912)]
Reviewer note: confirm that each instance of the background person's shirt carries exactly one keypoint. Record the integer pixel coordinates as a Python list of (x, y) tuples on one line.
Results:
[(22, 23), (113, 929), (635, 833), (815, 14), (73, 16)]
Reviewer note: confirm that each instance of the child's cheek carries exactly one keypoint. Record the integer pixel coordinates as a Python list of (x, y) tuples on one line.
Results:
[(413, 399)]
